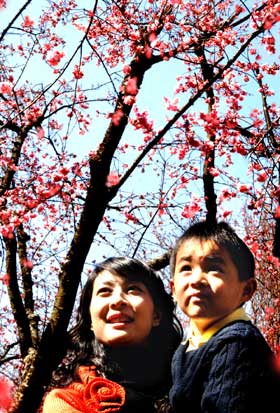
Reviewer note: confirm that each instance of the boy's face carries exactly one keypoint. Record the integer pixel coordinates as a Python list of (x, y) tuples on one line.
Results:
[(206, 284)]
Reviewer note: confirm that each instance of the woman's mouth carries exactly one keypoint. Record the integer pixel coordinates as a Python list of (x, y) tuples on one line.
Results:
[(119, 319)]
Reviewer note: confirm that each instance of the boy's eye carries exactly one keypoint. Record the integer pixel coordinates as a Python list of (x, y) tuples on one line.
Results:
[(215, 268), (134, 288), (186, 268), (214, 265)]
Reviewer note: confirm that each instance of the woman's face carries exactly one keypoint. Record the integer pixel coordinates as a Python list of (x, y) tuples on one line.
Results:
[(122, 311)]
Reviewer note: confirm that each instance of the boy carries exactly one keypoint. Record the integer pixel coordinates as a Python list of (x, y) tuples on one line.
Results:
[(225, 366)]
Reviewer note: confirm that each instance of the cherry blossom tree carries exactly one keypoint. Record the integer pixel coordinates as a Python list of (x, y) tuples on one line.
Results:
[(122, 122)]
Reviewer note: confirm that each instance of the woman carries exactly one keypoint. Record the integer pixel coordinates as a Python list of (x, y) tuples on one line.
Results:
[(122, 343)]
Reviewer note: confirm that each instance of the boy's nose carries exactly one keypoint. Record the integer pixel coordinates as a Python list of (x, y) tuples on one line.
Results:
[(197, 276)]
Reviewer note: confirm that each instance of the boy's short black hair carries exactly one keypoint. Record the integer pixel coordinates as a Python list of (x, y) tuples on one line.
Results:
[(225, 237)]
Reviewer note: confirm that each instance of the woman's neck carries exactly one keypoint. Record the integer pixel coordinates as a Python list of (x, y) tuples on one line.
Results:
[(137, 367)]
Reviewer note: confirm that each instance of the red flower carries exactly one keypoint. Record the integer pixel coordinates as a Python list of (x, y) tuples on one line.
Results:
[(103, 395), (277, 212), (93, 394), (5, 394)]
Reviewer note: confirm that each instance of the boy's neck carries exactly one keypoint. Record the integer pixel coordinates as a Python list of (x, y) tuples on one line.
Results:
[(201, 327)]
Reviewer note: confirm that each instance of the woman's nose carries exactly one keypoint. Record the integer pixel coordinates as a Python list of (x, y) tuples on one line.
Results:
[(118, 298)]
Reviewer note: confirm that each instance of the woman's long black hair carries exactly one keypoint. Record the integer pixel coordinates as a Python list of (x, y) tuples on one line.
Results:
[(142, 366)]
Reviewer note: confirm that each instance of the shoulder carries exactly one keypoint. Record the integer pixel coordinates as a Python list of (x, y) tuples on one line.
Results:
[(240, 339), (240, 331), (239, 328), (62, 401)]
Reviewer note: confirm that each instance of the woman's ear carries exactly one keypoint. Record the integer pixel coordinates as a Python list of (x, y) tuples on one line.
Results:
[(250, 287), (156, 318)]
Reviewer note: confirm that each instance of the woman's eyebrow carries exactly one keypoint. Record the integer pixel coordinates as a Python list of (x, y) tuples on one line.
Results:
[(107, 283)]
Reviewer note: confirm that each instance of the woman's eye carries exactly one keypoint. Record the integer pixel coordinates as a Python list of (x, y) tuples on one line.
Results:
[(104, 291)]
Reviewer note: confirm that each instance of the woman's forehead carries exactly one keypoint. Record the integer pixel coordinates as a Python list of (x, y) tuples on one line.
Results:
[(109, 277)]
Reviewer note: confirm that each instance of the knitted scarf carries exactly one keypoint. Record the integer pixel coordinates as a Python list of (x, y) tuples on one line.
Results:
[(92, 395)]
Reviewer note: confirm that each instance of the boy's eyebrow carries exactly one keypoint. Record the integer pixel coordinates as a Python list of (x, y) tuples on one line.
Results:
[(185, 258), (211, 257), (215, 258)]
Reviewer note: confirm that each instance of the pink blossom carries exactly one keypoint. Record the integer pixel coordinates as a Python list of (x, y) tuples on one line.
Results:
[(272, 18), (78, 74), (5, 394), (117, 117), (191, 209), (193, 142), (211, 121), (239, 9), (131, 86), (214, 172), (226, 213), (162, 208), (7, 232), (243, 188), (152, 37), (148, 51), (171, 104), (277, 212), (262, 176), (56, 57), (5, 280), (40, 132), (2, 4), (226, 195), (49, 192), (131, 217), (134, 35), (28, 264), (6, 88), (142, 121), (112, 179), (126, 69), (207, 146), (269, 312), (129, 100), (27, 23)]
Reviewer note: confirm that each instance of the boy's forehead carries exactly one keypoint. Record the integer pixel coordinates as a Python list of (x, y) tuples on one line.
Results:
[(194, 247)]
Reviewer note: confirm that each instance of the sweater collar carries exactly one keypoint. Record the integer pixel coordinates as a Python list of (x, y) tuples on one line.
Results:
[(196, 340)]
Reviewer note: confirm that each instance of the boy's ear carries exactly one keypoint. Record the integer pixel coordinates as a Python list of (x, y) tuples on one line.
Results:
[(249, 289), (171, 285)]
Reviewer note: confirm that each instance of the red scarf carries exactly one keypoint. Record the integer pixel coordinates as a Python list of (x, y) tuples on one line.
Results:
[(93, 394)]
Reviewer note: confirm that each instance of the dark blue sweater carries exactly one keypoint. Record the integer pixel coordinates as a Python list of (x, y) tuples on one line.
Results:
[(231, 373)]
